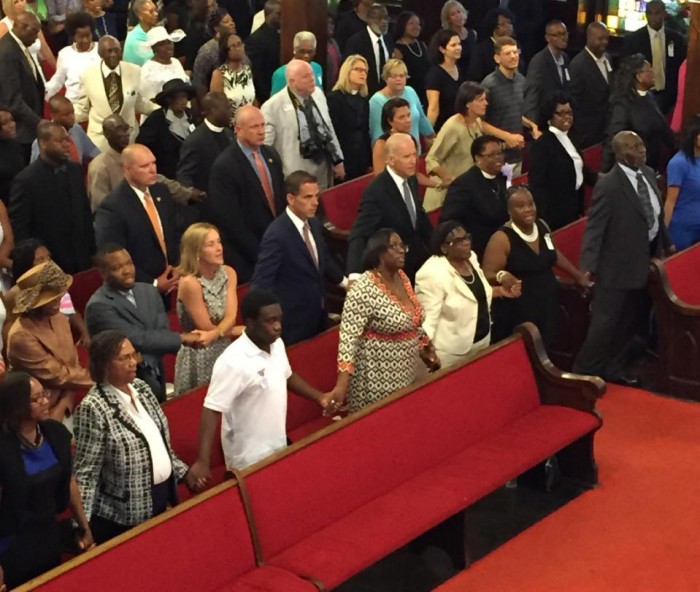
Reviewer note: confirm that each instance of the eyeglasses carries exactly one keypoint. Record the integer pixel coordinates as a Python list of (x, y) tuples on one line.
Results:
[(397, 75), (459, 240), (564, 113), (559, 34), (492, 154), (358, 69), (136, 357), (42, 396), (399, 247)]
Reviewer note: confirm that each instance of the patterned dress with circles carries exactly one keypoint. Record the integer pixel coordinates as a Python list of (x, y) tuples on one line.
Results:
[(380, 339), (193, 366)]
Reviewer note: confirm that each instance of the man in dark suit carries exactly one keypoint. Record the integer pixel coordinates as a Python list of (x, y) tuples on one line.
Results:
[(22, 87), (246, 192), (664, 49), (391, 201), (591, 74), (135, 309), (263, 49), (374, 45), (201, 148), (625, 228), (548, 71), (477, 198), (48, 201), (294, 261), (351, 21), (138, 215), (497, 23)]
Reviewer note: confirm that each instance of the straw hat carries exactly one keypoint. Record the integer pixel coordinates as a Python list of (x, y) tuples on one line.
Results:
[(40, 285)]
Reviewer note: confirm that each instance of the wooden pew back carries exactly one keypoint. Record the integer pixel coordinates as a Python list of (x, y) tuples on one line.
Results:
[(681, 271)]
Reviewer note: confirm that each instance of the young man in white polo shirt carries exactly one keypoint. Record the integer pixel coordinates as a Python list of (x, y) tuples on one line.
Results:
[(249, 388)]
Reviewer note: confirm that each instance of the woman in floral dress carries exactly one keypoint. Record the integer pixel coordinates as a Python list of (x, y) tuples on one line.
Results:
[(381, 335), (206, 302), (233, 77)]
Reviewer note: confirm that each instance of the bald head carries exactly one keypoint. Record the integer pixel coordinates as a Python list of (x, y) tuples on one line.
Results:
[(62, 111), (217, 109), (401, 155), (110, 50), (250, 126), (629, 149), (26, 27), (300, 78), (597, 37), (116, 131), (139, 166)]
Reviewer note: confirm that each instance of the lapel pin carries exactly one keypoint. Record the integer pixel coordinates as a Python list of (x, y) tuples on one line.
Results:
[(157, 198), (269, 160)]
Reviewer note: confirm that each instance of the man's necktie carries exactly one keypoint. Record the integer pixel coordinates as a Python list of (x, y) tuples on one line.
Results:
[(113, 92), (382, 57), (309, 244), (74, 155), (658, 62), (265, 181), (644, 195), (308, 110), (129, 295), (408, 199), (155, 221), (31, 62)]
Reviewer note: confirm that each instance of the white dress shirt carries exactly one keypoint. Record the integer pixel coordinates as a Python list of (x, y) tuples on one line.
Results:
[(631, 174), (160, 457), (602, 63), (142, 198), (299, 225), (566, 143), (375, 47), (106, 71), (249, 388)]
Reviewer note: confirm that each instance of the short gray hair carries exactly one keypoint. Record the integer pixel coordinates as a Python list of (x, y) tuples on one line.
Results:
[(304, 36), (446, 7)]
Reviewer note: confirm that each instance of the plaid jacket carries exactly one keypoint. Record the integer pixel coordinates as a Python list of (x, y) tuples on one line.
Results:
[(112, 458)]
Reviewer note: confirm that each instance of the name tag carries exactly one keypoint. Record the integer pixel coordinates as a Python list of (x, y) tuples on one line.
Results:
[(566, 75), (288, 108), (192, 127), (671, 49), (548, 242)]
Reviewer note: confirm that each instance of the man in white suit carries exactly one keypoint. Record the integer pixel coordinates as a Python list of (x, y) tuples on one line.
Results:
[(110, 87), (299, 127)]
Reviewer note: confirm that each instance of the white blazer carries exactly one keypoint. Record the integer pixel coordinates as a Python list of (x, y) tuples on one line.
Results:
[(282, 133), (450, 307), (93, 106)]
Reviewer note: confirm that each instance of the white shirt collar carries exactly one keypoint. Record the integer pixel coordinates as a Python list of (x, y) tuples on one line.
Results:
[(601, 60), (398, 179), (106, 71), (487, 175), (559, 61), (298, 222), (642, 93), (373, 36), (628, 170), (557, 132), (215, 128), (140, 194), (250, 349), (22, 46), (653, 33)]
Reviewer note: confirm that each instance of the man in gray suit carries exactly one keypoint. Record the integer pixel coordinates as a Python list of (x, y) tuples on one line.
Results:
[(136, 308), (625, 228)]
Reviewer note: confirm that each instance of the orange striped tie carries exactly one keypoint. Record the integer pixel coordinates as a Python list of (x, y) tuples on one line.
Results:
[(267, 188), (155, 222)]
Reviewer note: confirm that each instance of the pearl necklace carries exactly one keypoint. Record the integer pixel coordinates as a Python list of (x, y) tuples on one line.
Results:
[(528, 238), (420, 49)]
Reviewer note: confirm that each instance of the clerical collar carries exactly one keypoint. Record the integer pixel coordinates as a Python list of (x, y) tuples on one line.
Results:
[(486, 175), (642, 93), (215, 128)]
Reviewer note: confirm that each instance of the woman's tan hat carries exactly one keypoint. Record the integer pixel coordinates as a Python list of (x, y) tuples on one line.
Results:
[(40, 285)]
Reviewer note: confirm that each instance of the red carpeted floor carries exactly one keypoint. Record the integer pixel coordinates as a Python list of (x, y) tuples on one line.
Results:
[(638, 531)]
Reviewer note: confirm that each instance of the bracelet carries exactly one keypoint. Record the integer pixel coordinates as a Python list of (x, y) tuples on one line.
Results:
[(499, 275)]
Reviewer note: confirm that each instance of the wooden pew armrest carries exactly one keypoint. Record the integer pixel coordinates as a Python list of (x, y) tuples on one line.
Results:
[(333, 232), (555, 386), (663, 294)]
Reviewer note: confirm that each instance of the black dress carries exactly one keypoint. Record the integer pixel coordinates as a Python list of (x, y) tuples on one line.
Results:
[(350, 116), (415, 56), (438, 79), (538, 302), (468, 45)]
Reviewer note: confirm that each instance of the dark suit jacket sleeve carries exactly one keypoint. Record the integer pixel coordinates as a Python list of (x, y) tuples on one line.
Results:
[(533, 86), (539, 176), (455, 201), (149, 131), (11, 89), (617, 121), (269, 261), (367, 222), (20, 209), (352, 46), (424, 226), (596, 224), (331, 270), (101, 315), (187, 166)]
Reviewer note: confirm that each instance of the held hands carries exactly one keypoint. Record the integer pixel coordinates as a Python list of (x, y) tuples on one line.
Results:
[(84, 541), (429, 357), (515, 141), (197, 195), (168, 280), (193, 338), (332, 402), (584, 281), (339, 171), (197, 477)]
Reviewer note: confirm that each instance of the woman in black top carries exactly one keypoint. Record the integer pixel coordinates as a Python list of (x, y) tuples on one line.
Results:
[(348, 106), (453, 17), (443, 79), (412, 51), (632, 107), (36, 481), (11, 153), (523, 250)]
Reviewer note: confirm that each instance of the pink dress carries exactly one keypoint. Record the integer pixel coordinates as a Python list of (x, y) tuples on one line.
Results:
[(677, 119)]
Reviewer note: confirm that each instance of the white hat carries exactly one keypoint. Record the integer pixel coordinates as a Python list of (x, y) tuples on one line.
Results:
[(158, 34)]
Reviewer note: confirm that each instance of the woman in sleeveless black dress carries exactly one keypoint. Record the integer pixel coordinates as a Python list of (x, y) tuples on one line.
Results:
[(523, 250)]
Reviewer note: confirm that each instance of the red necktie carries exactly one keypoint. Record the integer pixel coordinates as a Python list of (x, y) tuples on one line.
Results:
[(74, 151), (267, 188)]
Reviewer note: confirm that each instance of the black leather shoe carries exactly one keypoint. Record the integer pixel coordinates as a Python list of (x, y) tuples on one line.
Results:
[(625, 381)]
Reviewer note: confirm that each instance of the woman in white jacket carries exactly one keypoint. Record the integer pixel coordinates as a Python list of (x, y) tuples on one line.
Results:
[(456, 296)]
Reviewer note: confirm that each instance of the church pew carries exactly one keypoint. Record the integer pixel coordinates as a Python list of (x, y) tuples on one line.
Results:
[(675, 292), (362, 488), (85, 284), (574, 315), (203, 544), (592, 157)]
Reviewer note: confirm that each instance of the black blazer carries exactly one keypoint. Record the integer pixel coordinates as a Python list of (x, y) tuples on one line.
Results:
[(263, 49), (616, 240), (591, 94), (543, 81), (642, 116), (479, 204), (238, 206), (19, 90), (198, 152), (382, 206), (348, 24), (11, 163), (15, 510), (122, 219), (639, 42), (481, 63), (286, 268), (155, 133), (361, 43), (62, 220), (552, 180), (350, 116)]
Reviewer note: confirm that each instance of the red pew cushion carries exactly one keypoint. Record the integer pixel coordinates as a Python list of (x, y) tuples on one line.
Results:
[(340, 203), (269, 579), (569, 241), (681, 270), (85, 284)]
